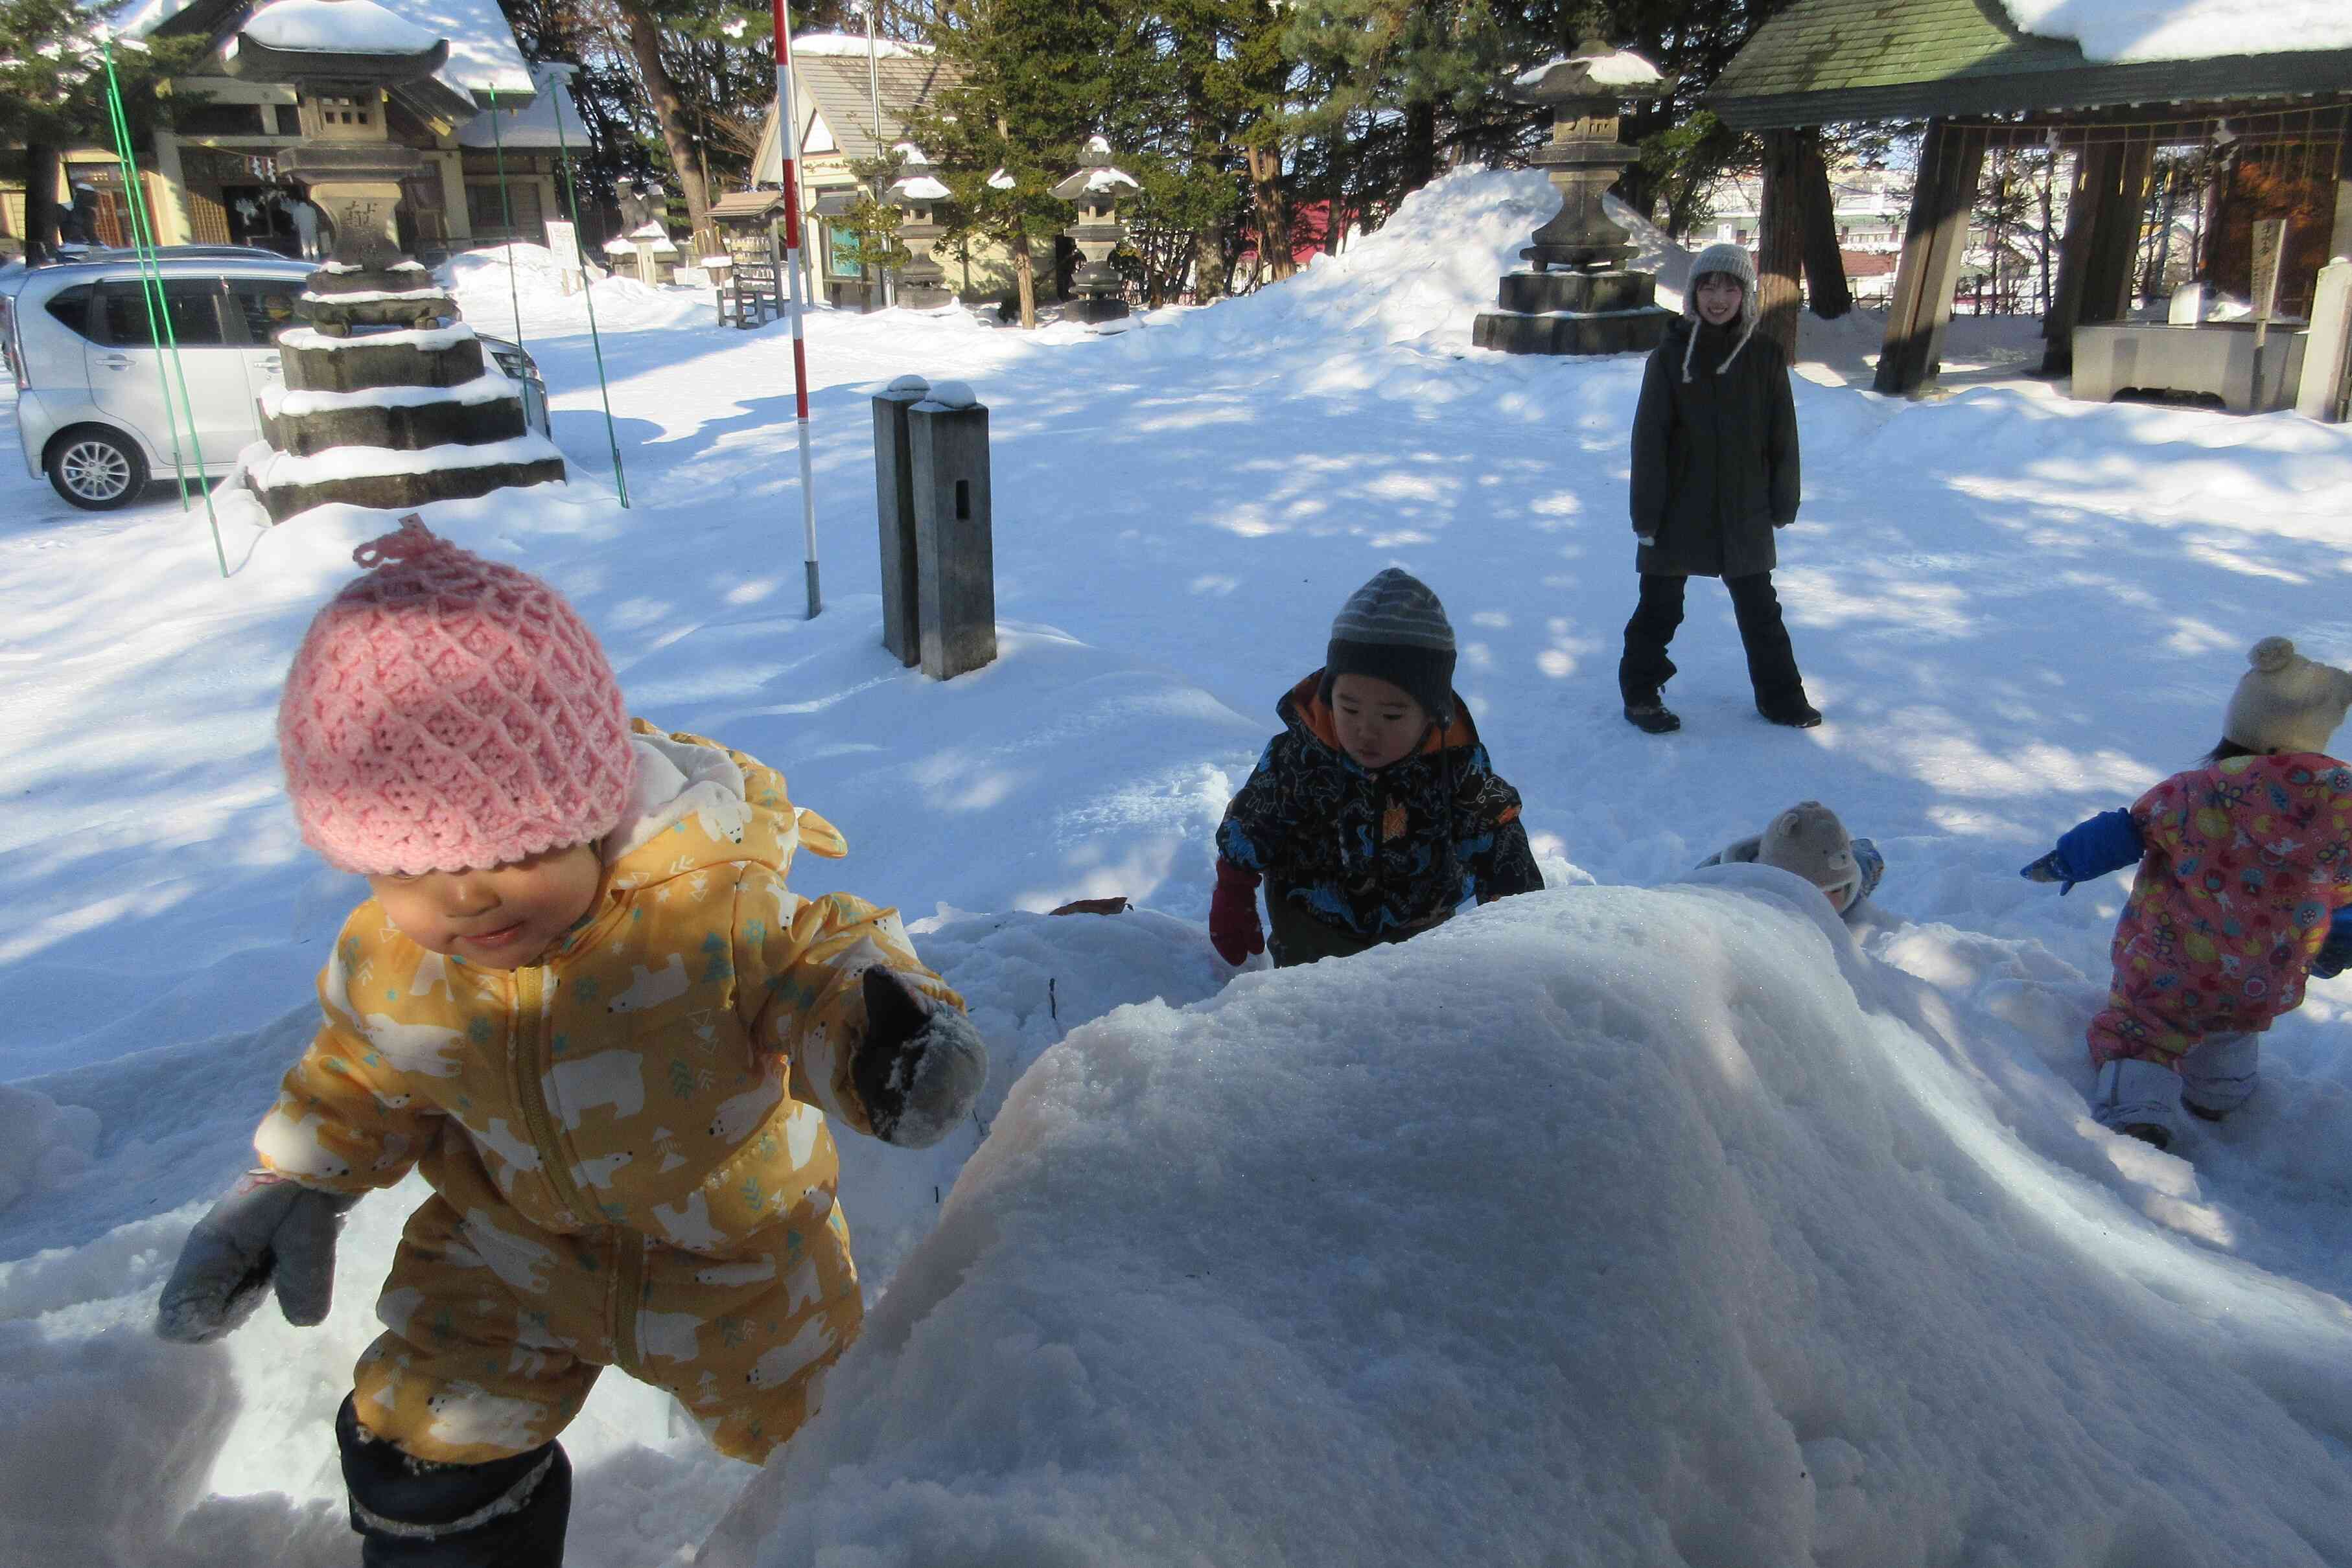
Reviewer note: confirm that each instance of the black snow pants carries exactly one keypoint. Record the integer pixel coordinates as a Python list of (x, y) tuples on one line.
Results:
[(1771, 661)]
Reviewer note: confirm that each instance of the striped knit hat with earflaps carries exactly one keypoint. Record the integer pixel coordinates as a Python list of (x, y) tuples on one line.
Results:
[(1733, 261), (1394, 630)]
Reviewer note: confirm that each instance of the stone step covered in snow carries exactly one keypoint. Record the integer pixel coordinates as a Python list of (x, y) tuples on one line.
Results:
[(305, 424), (425, 357), (392, 478), (339, 301)]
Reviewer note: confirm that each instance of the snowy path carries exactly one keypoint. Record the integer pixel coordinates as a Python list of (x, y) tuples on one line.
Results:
[(2015, 609)]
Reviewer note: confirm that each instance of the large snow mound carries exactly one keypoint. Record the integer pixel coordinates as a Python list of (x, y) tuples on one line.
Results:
[(1422, 276), (2187, 29), (1601, 1226)]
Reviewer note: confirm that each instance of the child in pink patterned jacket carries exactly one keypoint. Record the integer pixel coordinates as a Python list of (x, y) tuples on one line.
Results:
[(2245, 864)]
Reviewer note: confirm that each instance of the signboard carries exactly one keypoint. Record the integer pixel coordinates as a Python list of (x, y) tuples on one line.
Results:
[(841, 251), (2270, 243), (563, 241)]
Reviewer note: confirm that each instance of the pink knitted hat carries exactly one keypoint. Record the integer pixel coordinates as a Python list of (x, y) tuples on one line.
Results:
[(445, 712)]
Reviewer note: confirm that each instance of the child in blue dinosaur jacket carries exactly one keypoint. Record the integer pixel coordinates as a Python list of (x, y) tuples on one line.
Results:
[(2244, 890), (1376, 811)]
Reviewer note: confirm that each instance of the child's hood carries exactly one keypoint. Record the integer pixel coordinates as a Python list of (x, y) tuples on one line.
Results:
[(697, 804), (1303, 709)]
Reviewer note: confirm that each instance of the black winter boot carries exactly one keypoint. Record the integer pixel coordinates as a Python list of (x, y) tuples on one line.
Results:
[(413, 1514), (1653, 717)]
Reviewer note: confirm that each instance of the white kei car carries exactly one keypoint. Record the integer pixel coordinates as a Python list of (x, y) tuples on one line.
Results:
[(90, 390)]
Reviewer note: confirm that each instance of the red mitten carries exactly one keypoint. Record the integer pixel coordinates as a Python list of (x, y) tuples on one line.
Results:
[(1233, 930)]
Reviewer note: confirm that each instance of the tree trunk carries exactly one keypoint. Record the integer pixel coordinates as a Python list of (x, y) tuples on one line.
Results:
[(1825, 284), (40, 202), (1420, 145), (645, 46), (1208, 264), (1266, 196), (1025, 276), (1781, 243)]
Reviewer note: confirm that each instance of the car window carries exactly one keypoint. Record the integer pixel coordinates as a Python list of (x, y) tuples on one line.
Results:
[(269, 306), (193, 303), (71, 306)]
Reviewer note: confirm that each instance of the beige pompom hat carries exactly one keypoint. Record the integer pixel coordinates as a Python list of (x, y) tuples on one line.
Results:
[(2285, 702)]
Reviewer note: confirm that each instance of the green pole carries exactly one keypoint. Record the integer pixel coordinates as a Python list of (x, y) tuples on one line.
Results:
[(506, 210), (588, 292), (158, 309)]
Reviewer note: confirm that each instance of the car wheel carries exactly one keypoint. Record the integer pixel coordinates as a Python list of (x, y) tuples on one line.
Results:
[(97, 469)]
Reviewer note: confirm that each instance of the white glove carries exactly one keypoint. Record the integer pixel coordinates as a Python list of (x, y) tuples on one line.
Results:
[(266, 1227)]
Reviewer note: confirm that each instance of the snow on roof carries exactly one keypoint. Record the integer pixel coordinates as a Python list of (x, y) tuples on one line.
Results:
[(482, 50), (534, 127), (1002, 181), (910, 151), (1618, 68), (2123, 30), (844, 44), (343, 27), (1105, 179), (920, 188)]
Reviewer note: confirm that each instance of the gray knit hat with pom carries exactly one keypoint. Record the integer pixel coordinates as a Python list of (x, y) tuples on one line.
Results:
[(2286, 701), (1393, 629)]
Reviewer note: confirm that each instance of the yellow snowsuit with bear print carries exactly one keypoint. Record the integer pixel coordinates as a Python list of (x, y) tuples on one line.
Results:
[(627, 1142)]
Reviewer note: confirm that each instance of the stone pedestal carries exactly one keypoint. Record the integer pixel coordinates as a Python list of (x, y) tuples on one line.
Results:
[(922, 282)]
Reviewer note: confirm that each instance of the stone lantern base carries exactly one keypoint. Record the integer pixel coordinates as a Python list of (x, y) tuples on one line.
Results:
[(1096, 308), (1610, 312)]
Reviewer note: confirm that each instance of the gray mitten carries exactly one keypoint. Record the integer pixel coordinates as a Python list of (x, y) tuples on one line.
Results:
[(265, 1227), (921, 1065)]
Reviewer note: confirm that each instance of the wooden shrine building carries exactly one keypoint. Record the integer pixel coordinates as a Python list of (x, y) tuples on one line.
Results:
[(1980, 83)]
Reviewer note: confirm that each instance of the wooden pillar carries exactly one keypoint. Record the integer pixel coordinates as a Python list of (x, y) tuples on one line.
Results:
[(1780, 242), (2112, 252), (2073, 253), (1950, 159), (2340, 241), (1827, 293), (955, 567)]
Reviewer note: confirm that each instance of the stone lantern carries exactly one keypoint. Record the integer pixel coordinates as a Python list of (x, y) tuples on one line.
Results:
[(1097, 188), (917, 194), (388, 399), (1578, 298)]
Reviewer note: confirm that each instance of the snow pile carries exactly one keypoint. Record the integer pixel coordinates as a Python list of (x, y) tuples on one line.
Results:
[(343, 27), (537, 269), (1422, 277), (1471, 1250), (2121, 30), (43, 1144)]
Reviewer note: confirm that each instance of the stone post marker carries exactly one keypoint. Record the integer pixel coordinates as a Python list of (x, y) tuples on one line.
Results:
[(2328, 352), (1579, 298), (955, 563), (894, 511)]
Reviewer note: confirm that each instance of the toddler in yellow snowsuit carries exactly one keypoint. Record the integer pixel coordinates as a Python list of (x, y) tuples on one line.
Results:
[(584, 1001)]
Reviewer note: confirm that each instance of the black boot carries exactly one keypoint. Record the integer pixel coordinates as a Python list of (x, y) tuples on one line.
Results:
[(413, 1514), (1653, 717), (1796, 713)]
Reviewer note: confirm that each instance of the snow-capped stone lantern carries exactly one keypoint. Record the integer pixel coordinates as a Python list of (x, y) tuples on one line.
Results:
[(1578, 298), (388, 399), (1097, 188), (647, 250), (917, 194)]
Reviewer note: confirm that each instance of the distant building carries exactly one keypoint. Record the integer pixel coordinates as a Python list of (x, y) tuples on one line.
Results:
[(214, 181)]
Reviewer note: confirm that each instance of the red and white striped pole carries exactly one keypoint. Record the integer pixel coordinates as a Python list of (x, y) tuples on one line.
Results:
[(790, 125)]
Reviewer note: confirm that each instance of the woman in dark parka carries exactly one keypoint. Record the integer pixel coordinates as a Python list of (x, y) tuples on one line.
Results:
[(1714, 473)]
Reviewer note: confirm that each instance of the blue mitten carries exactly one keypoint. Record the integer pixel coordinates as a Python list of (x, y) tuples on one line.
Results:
[(2091, 848), (2335, 953)]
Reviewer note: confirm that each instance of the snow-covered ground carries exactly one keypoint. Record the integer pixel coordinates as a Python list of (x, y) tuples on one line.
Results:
[(1627, 1224)]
